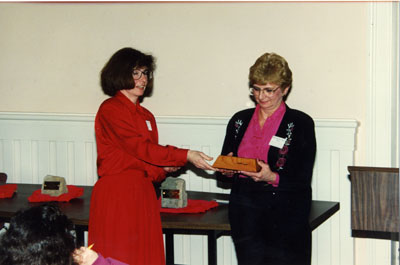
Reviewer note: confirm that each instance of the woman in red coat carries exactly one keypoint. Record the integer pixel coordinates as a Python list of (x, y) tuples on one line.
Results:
[(124, 218)]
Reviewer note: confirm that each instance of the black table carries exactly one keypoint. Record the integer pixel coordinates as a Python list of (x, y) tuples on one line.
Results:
[(213, 223)]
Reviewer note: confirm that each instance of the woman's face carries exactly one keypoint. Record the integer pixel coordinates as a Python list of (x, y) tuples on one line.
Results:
[(268, 96), (140, 76)]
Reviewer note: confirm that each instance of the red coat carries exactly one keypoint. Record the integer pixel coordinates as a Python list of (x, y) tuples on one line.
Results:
[(124, 218)]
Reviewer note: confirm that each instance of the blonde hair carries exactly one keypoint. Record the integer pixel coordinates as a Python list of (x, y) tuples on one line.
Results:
[(271, 68)]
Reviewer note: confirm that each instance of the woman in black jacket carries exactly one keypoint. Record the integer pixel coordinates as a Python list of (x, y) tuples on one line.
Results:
[(269, 210)]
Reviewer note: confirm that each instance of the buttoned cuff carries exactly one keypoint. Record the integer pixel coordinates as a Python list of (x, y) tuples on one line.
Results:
[(276, 182)]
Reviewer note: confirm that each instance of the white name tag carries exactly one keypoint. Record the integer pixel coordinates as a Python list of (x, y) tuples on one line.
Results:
[(148, 123), (277, 142)]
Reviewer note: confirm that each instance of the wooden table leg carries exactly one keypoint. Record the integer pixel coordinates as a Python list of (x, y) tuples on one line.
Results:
[(80, 236), (212, 247)]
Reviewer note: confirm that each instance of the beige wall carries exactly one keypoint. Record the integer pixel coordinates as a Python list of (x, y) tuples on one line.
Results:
[(51, 54)]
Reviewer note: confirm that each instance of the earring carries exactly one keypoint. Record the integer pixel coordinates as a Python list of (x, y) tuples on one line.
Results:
[(251, 92)]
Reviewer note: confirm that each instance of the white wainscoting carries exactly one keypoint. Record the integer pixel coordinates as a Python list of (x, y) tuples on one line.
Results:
[(33, 145)]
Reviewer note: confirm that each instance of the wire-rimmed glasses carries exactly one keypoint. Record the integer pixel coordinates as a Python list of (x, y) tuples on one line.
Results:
[(137, 74), (267, 91)]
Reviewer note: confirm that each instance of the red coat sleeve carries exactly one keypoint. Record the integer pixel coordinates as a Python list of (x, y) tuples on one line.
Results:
[(127, 130)]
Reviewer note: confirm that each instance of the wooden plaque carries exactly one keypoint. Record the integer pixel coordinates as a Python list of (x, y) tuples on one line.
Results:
[(237, 163)]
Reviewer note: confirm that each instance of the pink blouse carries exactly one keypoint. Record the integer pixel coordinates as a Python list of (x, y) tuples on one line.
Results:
[(255, 142)]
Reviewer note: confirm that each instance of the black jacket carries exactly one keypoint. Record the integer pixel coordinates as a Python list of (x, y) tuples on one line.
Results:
[(295, 161)]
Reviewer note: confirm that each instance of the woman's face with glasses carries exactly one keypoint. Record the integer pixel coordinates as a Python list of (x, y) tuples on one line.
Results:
[(141, 77), (268, 96)]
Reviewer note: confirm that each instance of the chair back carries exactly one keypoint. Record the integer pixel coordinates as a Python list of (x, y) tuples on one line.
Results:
[(3, 178)]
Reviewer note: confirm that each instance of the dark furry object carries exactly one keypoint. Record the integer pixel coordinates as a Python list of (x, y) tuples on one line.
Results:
[(40, 235)]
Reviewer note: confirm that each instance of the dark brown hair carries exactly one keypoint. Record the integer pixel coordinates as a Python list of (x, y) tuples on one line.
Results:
[(117, 73), (40, 235)]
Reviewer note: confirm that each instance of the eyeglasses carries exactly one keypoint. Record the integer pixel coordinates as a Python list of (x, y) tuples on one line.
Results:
[(266, 91), (137, 74)]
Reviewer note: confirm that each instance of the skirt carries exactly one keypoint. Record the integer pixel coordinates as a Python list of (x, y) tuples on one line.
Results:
[(124, 221)]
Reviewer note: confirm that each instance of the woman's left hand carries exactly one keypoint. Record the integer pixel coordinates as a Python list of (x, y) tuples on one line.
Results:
[(85, 256), (265, 174)]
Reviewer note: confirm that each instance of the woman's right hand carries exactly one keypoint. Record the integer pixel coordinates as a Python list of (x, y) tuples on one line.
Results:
[(198, 159), (265, 174)]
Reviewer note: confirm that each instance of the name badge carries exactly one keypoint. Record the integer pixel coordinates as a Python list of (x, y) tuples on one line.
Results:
[(148, 123), (277, 141)]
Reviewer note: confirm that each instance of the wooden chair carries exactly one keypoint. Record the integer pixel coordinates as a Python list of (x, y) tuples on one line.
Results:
[(3, 180), (374, 202)]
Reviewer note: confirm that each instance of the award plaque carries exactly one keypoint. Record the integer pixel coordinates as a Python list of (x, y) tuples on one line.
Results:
[(54, 186), (237, 163), (173, 193)]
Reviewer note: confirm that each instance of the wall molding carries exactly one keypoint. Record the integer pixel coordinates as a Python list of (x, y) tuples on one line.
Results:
[(383, 89), (41, 116), (382, 113)]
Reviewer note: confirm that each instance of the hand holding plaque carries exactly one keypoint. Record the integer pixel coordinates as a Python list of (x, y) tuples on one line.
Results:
[(237, 163)]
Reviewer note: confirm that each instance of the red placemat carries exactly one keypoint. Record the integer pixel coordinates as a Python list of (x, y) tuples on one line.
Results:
[(7, 190), (73, 192), (193, 206)]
